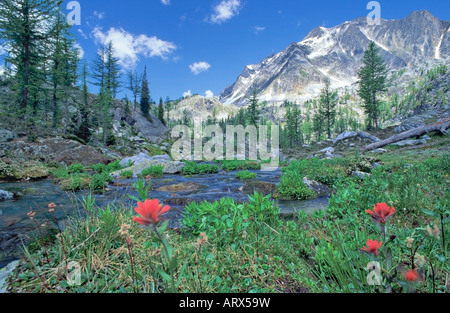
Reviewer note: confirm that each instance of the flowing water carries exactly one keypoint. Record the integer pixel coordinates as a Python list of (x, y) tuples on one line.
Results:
[(175, 190)]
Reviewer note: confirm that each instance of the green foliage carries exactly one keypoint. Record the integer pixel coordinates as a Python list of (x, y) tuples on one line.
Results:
[(235, 165), (192, 168), (100, 181), (75, 168), (245, 175), (227, 217), (154, 171), (126, 174)]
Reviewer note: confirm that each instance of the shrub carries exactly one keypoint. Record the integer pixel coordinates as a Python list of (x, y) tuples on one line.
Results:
[(154, 171), (192, 168), (244, 175), (75, 168), (100, 181)]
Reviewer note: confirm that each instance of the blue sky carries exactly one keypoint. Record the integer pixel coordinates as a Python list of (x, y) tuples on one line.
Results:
[(203, 45)]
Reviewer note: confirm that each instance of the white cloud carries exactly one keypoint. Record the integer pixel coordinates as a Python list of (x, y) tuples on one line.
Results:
[(80, 50), (165, 2), (82, 33), (129, 47), (259, 29), (225, 11), (209, 94), (187, 94), (99, 15), (199, 67)]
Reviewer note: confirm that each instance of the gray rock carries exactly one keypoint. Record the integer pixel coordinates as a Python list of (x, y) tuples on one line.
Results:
[(321, 189), (360, 174), (379, 150), (135, 160), (4, 274), (6, 135), (173, 167), (151, 129), (162, 157), (410, 143), (426, 137), (6, 195), (360, 135), (142, 161), (329, 149)]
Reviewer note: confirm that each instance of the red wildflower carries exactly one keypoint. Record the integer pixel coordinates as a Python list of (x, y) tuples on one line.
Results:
[(412, 276), (150, 212), (372, 247), (381, 213)]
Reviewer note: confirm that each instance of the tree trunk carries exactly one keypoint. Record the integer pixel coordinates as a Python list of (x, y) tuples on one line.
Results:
[(440, 127)]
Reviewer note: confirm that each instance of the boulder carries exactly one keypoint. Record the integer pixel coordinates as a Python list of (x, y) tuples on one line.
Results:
[(329, 149), (135, 160), (360, 174), (319, 188), (4, 274), (142, 161), (410, 142), (6, 195), (6, 135), (351, 135)]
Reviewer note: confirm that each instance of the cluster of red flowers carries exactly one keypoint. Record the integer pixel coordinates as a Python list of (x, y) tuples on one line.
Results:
[(380, 214)]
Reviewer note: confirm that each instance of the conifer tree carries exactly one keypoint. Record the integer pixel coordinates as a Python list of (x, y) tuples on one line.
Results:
[(26, 27), (145, 96), (327, 108), (372, 82), (253, 111), (161, 112)]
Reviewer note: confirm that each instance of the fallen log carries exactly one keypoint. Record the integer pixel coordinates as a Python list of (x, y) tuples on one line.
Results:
[(440, 127)]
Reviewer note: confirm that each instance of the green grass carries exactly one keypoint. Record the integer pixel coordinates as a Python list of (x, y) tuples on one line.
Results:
[(251, 248)]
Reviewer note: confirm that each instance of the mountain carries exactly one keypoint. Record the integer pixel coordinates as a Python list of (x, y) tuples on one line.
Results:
[(198, 106), (298, 72)]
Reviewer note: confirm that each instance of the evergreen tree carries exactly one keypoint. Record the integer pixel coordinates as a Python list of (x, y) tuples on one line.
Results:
[(161, 111), (112, 70), (26, 27), (83, 130), (372, 82), (145, 96), (99, 68), (103, 112), (318, 124), (327, 108), (253, 111)]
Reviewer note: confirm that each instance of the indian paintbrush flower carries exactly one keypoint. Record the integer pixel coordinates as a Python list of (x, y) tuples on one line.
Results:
[(150, 212), (412, 275), (381, 213), (372, 247)]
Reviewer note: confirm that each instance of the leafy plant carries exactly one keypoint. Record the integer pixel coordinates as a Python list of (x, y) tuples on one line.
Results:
[(245, 175)]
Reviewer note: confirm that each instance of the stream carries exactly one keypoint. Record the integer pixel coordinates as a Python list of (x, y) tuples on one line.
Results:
[(174, 190)]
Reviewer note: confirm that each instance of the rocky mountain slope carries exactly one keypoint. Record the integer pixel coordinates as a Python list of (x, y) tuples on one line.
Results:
[(198, 106), (298, 72)]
